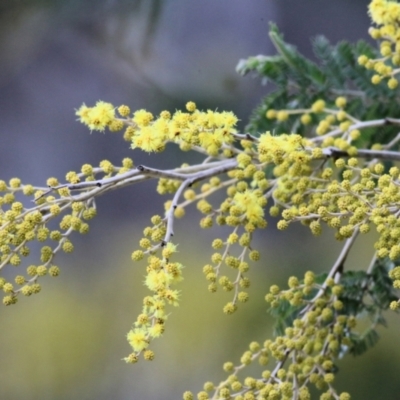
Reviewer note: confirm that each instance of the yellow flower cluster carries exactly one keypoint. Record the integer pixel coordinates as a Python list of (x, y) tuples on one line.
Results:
[(345, 194), (24, 220), (97, 117), (386, 14), (317, 180), (161, 275), (348, 196), (209, 130), (20, 226), (250, 204), (287, 152), (334, 127), (394, 274), (243, 210), (308, 347), (365, 196)]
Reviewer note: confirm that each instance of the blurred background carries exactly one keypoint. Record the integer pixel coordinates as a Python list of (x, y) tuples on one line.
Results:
[(67, 342)]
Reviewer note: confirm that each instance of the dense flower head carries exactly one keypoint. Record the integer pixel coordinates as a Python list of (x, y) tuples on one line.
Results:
[(385, 14), (249, 203), (97, 117), (208, 129), (276, 148), (137, 338)]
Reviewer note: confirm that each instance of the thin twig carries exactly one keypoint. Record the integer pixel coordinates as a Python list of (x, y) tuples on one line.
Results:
[(381, 154), (359, 125), (189, 181), (336, 268)]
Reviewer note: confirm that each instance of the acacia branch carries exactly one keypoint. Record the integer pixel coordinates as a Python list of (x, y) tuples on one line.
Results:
[(359, 125), (381, 154), (336, 268), (189, 181), (133, 176)]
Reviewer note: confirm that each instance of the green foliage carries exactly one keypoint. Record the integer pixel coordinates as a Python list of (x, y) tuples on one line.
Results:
[(299, 82), (367, 296)]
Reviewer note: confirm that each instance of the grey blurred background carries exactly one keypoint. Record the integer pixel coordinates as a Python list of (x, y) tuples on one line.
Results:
[(67, 342)]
